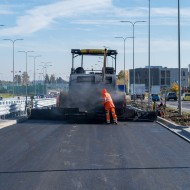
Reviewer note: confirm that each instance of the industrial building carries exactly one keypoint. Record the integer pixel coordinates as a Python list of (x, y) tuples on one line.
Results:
[(160, 76)]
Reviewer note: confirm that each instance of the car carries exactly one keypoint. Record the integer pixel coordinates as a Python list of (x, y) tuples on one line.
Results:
[(41, 96), (137, 96), (171, 96), (155, 97), (186, 97)]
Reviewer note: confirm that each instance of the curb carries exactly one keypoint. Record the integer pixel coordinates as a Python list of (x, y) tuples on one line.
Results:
[(174, 128), (7, 123)]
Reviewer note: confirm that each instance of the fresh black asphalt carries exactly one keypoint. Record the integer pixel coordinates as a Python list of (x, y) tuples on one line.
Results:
[(47, 155)]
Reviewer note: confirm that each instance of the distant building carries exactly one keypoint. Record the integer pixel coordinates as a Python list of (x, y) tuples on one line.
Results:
[(159, 76)]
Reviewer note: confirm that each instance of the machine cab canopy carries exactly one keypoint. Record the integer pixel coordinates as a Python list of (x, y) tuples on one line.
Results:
[(97, 52), (94, 52)]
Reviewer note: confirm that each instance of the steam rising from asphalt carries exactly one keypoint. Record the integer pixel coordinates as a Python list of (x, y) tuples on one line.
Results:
[(87, 96)]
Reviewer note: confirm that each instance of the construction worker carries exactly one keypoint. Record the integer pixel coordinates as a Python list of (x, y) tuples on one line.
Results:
[(109, 106)]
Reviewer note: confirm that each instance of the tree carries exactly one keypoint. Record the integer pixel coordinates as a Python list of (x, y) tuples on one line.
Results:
[(59, 80), (18, 79), (47, 81), (25, 78), (121, 75), (175, 87), (52, 79)]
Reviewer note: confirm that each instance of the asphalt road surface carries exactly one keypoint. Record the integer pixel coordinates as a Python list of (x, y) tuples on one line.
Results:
[(43, 155), (185, 105)]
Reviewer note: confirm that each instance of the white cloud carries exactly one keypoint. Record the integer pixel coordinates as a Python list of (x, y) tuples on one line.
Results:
[(42, 16), (5, 10), (159, 16)]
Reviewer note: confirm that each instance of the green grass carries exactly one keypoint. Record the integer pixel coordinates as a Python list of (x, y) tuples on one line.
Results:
[(6, 95)]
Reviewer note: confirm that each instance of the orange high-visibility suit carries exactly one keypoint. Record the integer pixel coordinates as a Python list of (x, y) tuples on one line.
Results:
[(109, 106)]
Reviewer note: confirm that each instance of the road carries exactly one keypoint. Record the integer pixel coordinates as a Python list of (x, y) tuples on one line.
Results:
[(185, 105), (44, 155)]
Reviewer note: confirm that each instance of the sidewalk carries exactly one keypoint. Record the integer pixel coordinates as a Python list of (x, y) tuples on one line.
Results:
[(6, 122)]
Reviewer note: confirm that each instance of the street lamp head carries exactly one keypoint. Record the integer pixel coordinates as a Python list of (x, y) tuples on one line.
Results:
[(35, 56), (124, 38), (133, 23), (26, 51), (46, 62), (13, 40)]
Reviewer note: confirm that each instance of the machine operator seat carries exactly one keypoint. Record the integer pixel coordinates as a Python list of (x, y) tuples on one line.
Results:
[(79, 70), (109, 70)]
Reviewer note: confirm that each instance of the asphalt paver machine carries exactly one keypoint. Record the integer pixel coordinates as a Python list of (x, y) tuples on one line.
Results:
[(83, 100)]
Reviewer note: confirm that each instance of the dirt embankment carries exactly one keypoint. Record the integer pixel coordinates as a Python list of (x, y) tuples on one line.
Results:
[(167, 113)]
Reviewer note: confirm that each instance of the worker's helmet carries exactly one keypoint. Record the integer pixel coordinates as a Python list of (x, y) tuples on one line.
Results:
[(104, 91)]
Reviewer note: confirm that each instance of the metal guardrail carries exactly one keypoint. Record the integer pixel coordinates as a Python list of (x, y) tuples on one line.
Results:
[(39, 103), (14, 108), (9, 107)]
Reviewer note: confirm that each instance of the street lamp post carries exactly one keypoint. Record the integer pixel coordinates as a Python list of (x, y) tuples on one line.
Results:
[(13, 42), (26, 54), (179, 61), (43, 75), (133, 25), (44, 67), (149, 88), (36, 56), (124, 40)]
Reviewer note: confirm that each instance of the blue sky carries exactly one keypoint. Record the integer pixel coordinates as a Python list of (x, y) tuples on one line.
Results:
[(52, 28)]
